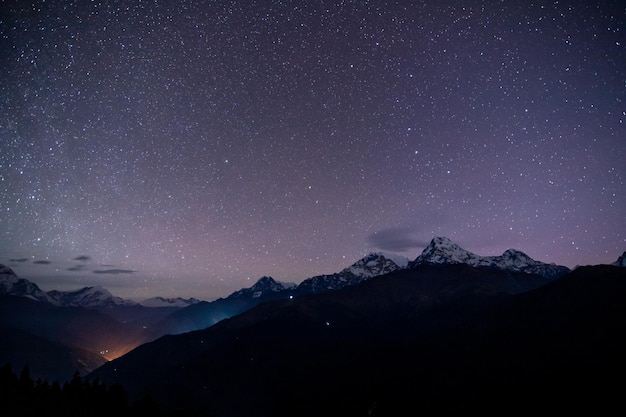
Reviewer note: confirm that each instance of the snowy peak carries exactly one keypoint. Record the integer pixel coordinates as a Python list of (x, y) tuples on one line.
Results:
[(370, 266), (621, 261), (270, 284), (442, 250), (11, 284), (514, 259), (169, 302), (373, 265), (517, 255), (264, 286), (88, 297)]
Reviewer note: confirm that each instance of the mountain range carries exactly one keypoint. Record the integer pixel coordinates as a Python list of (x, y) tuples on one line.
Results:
[(437, 339), (380, 305), (90, 297), (442, 250), (82, 329)]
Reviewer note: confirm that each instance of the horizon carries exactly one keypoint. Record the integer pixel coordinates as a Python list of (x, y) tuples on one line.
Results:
[(124, 292)]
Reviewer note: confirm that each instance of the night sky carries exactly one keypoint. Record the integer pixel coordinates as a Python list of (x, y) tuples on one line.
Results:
[(186, 148)]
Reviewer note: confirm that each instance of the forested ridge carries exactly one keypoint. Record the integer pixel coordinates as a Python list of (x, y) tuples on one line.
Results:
[(21, 395)]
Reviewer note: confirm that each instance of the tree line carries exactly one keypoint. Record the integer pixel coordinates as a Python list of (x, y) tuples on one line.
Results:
[(21, 395)]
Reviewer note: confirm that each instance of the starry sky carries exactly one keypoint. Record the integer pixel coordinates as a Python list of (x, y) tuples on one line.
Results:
[(187, 148)]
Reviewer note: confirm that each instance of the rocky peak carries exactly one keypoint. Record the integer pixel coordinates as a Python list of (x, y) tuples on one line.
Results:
[(621, 261), (263, 286), (372, 265), (11, 284), (442, 250)]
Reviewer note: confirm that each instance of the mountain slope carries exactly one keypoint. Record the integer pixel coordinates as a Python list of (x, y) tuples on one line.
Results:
[(47, 359), (372, 265), (89, 297), (45, 337), (11, 284), (433, 339), (90, 320), (168, 302), (265, 287), (205, 314)]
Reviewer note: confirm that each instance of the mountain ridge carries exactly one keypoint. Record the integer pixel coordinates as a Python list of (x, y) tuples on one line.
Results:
[(168, 302), (373, 264), (11, 284), (433, 338), (90, 297), (96, 296), (141, 324), (441, 250)]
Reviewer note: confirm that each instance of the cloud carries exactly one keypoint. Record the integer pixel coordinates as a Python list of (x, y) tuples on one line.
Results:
[(82, 258), (42, 262), (396, 240), (18, 260), (77, 268), (113, 271)]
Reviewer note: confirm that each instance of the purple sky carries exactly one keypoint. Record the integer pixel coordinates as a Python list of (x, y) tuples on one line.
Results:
[(185, 149)]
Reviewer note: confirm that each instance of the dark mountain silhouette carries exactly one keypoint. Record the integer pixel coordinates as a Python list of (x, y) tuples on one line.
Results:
[(54, 341), (57, 341), (204, 314), (90, 325), (57, 333), (148, 324), (436, 339), (333, 329), (441, 250), (49, 359)]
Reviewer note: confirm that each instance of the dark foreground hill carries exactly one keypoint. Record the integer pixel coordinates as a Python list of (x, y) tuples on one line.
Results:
[(434, 340), (54, 341)]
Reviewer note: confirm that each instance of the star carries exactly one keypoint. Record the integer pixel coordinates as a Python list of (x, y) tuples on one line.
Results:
[(199, 145)]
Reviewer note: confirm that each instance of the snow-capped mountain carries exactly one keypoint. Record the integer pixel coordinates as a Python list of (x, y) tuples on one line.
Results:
[(442, 250), (372, 265), (263, 287), (206, 314), (376, 264), (89, 297), (11, 284), (621, 261), (168, 302)]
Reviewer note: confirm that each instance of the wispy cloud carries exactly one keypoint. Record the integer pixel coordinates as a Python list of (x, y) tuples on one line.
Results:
[(42, 262), (77, 268), (113, 271), (82, 258)]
